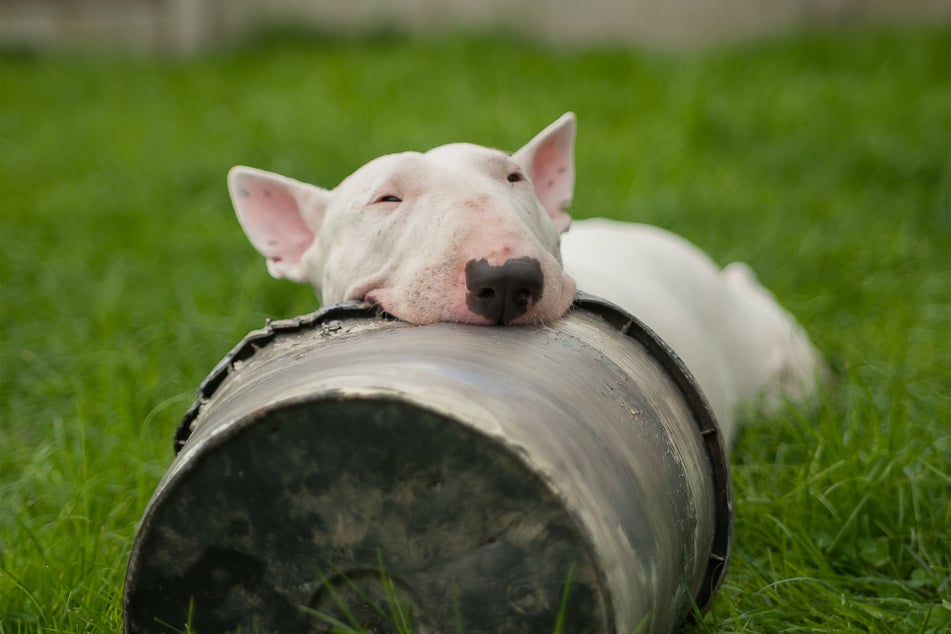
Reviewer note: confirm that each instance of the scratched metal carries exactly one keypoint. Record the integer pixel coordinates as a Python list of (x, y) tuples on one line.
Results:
[(483, 479)]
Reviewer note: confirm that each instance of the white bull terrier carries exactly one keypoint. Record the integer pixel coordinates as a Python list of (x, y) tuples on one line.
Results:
[(465, 233)]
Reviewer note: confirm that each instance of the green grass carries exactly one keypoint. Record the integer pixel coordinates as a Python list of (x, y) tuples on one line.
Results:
[(824, 160)]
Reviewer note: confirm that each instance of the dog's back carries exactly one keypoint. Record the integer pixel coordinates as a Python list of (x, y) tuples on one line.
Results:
[(737, 341)]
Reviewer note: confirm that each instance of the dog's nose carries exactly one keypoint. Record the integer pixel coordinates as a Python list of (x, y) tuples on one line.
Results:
[(503, 293)]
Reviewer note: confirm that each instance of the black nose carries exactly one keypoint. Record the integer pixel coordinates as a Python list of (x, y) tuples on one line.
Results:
[(503, 293)]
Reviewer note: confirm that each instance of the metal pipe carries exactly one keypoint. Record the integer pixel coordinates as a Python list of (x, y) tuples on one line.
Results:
[(482, 479)]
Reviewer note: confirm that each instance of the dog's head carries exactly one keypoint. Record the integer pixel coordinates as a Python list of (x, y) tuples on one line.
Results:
[(461, 233)]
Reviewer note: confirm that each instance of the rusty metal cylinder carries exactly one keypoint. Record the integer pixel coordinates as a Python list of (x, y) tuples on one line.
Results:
[(344, 467)]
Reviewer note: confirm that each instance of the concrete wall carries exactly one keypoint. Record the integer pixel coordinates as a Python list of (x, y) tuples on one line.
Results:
[(184, 26)]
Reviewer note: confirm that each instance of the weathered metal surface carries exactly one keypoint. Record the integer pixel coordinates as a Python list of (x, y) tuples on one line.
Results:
[(482, 468)]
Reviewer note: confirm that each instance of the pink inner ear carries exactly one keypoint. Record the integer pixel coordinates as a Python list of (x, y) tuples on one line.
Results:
[(272, 219), (553, 176), (550, 173)]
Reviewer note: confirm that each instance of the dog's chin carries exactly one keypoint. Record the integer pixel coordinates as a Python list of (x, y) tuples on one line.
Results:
[(418, 315)]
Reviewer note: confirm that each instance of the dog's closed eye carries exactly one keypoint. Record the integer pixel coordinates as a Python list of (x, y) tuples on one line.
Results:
[(388, 198)]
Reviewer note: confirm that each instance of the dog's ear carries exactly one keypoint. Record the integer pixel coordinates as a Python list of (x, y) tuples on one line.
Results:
[(280, 216), (548, 159)]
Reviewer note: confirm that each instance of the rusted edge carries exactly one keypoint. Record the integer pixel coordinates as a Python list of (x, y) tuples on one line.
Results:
[(254, 341), (632, 327)]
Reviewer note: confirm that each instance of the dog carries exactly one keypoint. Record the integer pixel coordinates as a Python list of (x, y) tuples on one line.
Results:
[(466, 233)]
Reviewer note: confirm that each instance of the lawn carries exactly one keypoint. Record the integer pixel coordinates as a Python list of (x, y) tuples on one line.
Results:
[(824, 160)]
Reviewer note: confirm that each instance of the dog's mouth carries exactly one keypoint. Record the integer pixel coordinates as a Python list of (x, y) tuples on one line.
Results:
[(459, 309), (374, 301)]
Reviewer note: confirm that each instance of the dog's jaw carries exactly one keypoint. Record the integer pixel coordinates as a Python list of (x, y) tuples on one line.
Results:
[(416, 307)]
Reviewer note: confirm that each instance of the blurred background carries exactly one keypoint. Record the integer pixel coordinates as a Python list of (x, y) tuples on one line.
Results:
[(184, 26)]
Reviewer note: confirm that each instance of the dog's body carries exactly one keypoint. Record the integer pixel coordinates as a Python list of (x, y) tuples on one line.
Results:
[(739, 344), (468, 234)]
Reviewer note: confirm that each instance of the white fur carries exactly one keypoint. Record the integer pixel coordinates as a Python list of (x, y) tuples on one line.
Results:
[(740, 345), (456, 203)]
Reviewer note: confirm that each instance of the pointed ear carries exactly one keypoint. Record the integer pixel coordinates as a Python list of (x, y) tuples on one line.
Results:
[(548, 159), (280, 216)]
